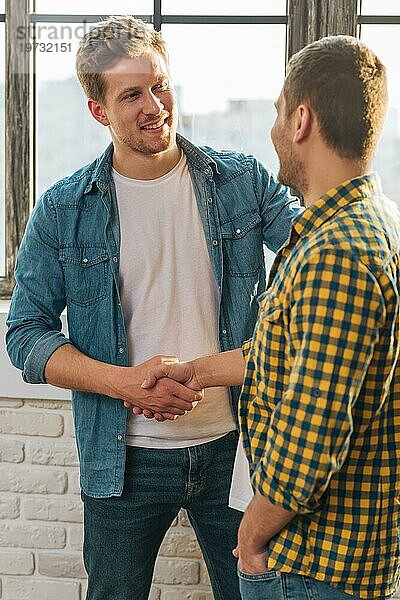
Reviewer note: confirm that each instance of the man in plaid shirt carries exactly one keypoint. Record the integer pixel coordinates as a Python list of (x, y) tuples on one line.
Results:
[(320, 403)]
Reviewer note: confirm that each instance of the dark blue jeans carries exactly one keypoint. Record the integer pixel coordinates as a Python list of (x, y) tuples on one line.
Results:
[(123, 534), (274, 585)]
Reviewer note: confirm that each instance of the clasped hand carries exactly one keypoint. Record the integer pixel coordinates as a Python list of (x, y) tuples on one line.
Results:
[(178, 379)]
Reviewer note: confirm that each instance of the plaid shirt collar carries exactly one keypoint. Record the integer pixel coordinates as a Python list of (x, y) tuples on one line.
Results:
[(322, 210)]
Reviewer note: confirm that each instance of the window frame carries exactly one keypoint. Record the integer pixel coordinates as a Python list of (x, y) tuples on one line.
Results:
[(305, 20), (17, 139)]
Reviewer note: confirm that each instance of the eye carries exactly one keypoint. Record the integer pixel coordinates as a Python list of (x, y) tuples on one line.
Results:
[(132, 96)]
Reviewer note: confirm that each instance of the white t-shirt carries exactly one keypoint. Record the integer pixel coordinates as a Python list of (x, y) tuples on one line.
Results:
[(241, 492), (169, 297)]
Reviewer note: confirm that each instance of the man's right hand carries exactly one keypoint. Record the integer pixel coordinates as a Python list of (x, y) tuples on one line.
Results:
[(183, 373), (222, 369)]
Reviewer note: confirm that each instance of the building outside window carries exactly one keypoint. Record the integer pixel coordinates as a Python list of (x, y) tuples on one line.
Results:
[(380, 36)]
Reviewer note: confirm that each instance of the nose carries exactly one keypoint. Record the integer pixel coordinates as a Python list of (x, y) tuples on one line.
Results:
[(152, 104)]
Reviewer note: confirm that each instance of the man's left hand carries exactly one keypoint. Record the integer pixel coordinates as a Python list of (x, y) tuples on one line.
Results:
[(251, 560), (251, 550), (261, 521)]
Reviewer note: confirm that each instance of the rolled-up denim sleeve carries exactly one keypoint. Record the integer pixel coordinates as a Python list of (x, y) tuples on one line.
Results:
[(34, 324)]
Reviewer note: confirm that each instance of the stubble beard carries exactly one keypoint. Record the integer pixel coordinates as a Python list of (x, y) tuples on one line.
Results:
[(164, 142), (292, 172)]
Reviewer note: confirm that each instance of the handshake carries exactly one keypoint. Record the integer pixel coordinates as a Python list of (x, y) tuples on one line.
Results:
[(169, 388), (164, 388)]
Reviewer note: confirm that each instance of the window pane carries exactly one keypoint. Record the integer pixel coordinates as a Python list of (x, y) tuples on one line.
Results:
[(226, 100), (224, 7), (380, 7), (2, 6), (2, 162), (100, 7), (67, 135), (387, 162)]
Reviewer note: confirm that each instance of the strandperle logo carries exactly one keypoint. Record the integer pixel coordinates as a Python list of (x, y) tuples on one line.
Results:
[(53, 33), (60, 38)]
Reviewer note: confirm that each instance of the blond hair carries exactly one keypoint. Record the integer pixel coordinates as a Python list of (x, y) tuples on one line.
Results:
[(109, 41)]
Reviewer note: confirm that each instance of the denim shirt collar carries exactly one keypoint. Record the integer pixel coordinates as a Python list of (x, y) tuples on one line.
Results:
[(196, 158)]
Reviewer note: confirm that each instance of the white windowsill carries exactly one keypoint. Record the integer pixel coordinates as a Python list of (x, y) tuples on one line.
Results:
[(11, 383)]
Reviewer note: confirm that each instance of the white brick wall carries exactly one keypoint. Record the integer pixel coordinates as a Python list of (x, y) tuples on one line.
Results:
[(41, 514)]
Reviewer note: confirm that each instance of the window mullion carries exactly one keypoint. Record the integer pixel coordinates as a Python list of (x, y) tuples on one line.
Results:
[(17, 135), (309, 20)]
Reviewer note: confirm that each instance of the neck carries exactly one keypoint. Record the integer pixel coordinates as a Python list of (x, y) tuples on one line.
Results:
[(330, 171), (137, 165)]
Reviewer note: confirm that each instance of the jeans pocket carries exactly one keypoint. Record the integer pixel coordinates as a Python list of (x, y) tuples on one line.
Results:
[(258, 576)]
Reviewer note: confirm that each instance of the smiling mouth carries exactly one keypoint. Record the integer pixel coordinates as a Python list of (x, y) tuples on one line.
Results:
[(155, 126)]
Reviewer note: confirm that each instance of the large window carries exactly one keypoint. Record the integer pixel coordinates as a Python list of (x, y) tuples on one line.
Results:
[(225, 98), (380, 37), (230, 111), (227, 62)]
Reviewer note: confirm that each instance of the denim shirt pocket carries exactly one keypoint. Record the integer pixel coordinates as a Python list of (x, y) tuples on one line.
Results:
[(86, 269), (242, 244)]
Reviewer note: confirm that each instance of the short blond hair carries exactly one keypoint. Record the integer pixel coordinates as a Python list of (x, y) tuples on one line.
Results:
[(109, 41)]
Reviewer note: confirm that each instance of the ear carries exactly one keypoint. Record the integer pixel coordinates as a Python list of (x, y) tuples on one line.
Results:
[(98, 112), (303, 122)]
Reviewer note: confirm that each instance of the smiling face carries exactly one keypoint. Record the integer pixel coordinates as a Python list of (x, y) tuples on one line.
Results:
[(139, 105)]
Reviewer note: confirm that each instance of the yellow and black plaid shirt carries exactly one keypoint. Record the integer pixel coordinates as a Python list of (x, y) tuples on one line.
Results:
[(320, 404)]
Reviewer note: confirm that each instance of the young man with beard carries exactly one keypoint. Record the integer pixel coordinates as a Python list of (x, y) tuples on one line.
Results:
[(320, 403), (155, 248)]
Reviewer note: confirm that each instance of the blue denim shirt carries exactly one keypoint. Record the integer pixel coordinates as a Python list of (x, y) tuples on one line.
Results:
[(69, 256)]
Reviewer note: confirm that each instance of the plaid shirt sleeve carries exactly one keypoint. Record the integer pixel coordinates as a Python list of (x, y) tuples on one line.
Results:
[(246, 346), (335, 313)]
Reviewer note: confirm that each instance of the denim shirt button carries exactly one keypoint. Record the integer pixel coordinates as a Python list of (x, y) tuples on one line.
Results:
[(85, 260), (121, 350), (209, 200), (238, 231), (119, 437), (224, 331), (115, 258), (215, 242)]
